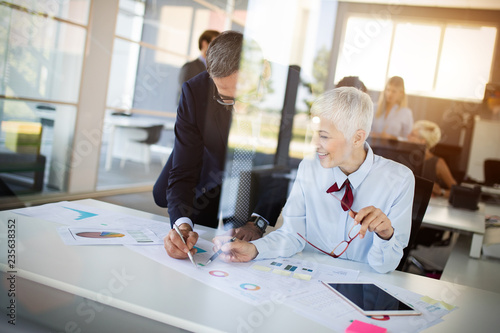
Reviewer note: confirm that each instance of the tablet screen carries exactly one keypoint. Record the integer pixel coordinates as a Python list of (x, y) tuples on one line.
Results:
[(371, 299)]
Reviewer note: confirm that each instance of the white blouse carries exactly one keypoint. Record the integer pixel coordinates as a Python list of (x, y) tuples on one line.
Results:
[(398, 122)]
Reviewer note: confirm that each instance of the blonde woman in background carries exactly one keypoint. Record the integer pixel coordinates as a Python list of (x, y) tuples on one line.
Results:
[(435, 168), (393, 119)]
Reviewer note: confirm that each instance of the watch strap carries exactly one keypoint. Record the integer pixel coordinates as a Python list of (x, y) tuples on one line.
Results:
[(259, 223)]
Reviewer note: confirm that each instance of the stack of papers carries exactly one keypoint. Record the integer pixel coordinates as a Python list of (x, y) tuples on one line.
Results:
[(93, 226)]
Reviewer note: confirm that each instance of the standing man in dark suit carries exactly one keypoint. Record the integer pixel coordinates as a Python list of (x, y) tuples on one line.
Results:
[(192, 68), (190, 183)]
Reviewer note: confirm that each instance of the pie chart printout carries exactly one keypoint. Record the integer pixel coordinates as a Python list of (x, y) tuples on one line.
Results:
[(99, 234)]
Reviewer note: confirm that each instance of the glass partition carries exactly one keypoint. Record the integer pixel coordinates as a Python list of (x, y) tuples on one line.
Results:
[(153, 39), (76, 11), (42, 57), (36, 141)]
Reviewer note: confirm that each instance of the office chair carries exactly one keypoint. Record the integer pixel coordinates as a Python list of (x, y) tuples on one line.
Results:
[(407, 153), (491, 172), (423, 192), (5, 190), (8, 197), (452, 155), (153, 136), (21, 165)]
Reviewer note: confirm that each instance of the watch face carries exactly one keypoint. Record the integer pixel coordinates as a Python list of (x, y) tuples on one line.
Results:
[(260, 223)]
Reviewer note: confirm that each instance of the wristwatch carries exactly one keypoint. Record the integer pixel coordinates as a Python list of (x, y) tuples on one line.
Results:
[(259, 223)]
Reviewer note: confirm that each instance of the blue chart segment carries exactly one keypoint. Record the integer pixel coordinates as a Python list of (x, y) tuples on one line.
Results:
[(83, 214), (199, 250)]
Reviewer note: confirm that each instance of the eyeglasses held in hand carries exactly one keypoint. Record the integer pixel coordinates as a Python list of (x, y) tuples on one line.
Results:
[(342, 247)]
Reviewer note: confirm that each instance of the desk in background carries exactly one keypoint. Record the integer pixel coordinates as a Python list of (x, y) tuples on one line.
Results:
[(112, 289), (441, 214), (125, 128), (482, 272)]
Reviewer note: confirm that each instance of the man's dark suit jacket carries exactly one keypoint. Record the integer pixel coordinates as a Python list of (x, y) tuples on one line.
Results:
[(190, 183)]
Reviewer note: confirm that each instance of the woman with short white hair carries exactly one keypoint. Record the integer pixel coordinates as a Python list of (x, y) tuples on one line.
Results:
[(343, 191)]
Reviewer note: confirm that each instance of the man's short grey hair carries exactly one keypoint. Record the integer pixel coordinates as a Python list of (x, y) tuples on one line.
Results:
[(348, 108), (223, 54)]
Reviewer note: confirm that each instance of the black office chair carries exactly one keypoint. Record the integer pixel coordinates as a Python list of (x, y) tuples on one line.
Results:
[(8, 198), (423, 192), (407, 153), (153, 136), (452, 155), (154, 133), (491, 172)]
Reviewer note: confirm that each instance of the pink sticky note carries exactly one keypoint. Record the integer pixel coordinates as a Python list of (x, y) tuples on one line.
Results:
[(361, 327)]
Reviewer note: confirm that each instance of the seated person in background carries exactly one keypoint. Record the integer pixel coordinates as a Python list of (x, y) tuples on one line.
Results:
[(435, 168), (377, 194), (352, 81), (393, 119)]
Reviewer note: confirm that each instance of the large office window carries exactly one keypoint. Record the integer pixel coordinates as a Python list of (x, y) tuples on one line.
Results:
[(426, 54), (41, 58), (153, 39)]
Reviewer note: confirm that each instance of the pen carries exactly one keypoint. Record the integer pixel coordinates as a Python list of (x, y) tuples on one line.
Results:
[(189, 253), (216, 254)]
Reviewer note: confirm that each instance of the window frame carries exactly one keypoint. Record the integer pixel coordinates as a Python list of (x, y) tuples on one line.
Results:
[(416, 15)]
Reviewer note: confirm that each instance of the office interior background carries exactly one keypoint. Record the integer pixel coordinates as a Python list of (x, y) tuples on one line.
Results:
[(77, 75)]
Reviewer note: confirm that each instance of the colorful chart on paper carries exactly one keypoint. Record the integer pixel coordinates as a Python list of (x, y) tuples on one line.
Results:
[(100, 234), (285, 268)]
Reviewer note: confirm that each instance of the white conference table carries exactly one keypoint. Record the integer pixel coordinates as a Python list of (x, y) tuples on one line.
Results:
[(113, 289), (442, 215)]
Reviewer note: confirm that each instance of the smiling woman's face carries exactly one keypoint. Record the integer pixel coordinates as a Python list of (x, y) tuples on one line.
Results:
[(331, 146)]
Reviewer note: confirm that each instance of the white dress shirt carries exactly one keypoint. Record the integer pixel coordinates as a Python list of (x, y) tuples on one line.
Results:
[(398, 122), (313, 213)]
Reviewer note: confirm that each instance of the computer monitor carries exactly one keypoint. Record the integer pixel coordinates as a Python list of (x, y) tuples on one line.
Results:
[(410, 154)]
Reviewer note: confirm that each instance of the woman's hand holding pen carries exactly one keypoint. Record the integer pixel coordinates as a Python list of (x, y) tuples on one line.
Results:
[(175, 246), (235, 251)]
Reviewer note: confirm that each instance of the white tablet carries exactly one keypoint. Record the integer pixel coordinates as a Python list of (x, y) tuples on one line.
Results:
[(371, 300)]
